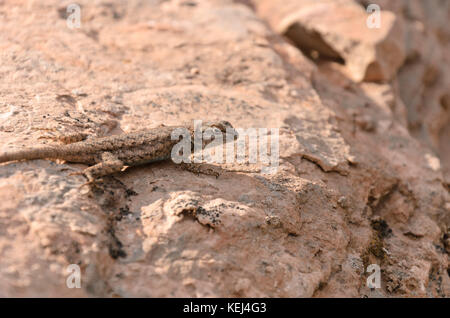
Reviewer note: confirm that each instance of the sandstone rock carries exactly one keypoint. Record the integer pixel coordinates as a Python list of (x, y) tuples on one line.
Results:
[(356, 184), (338, 31)]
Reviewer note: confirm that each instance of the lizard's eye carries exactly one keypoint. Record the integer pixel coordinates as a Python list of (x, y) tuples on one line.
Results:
[(226, 123), (216, 130)]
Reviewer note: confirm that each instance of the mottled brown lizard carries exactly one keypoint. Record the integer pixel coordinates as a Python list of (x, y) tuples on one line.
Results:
[(108, 155)]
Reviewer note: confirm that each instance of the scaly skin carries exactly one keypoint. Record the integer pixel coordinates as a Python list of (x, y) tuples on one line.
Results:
[(110, 154)]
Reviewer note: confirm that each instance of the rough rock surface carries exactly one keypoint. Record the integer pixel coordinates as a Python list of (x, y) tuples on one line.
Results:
[(364, 166), (337, 30)]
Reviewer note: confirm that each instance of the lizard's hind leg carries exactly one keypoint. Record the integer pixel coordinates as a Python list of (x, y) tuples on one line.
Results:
[(109, 164)]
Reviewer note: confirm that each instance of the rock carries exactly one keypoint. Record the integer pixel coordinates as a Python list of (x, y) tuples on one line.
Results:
[(360, 178), (370, 54)]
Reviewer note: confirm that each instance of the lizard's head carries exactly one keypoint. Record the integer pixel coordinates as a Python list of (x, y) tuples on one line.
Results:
[(211, 130), (223, 126)]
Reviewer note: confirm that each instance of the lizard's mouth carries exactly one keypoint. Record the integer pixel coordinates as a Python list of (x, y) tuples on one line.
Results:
[(222, 132), (230, 134)]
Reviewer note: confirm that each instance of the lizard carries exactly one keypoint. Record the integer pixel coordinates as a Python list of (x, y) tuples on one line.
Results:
[(107, 155)]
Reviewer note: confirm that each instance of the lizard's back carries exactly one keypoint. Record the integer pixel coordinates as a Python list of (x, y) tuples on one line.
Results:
[(131, 148)]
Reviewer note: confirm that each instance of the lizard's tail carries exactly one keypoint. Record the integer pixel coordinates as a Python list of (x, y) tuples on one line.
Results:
[(29, 154)]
